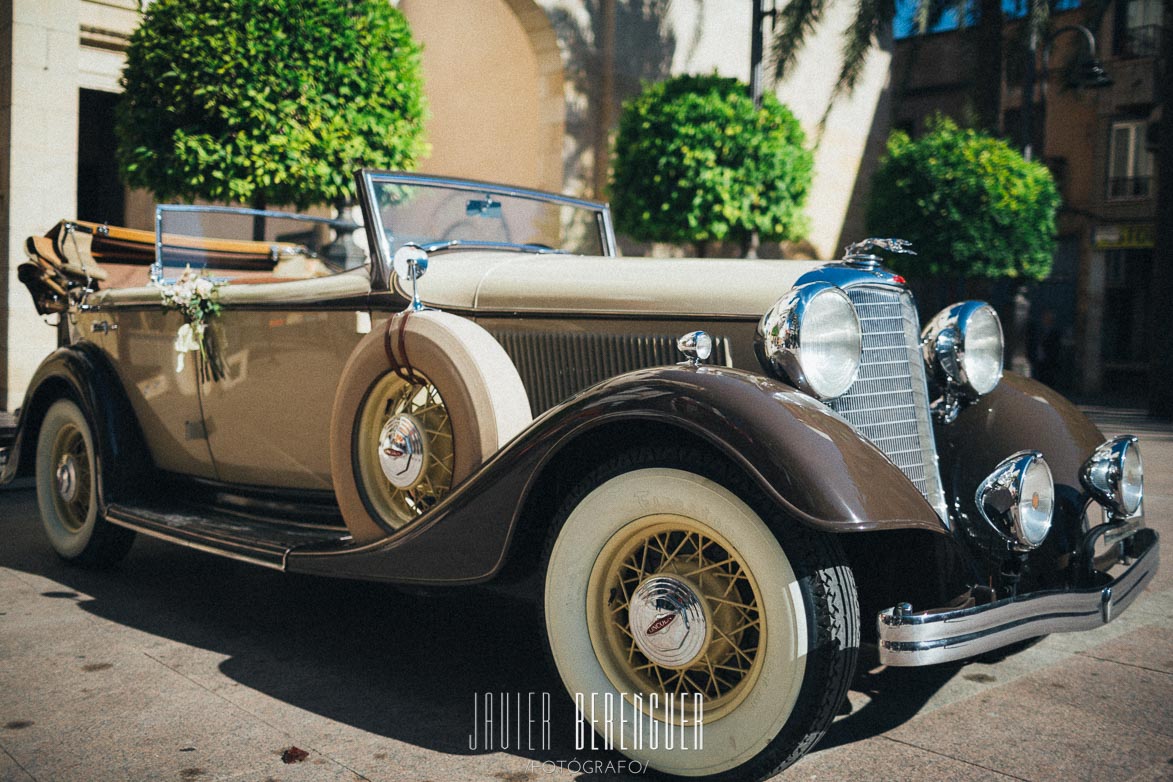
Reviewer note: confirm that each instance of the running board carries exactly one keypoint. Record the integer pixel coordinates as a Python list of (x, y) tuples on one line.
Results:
[(261, 541)]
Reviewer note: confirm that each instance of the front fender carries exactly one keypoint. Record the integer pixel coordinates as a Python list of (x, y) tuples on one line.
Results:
[(82, 373), (1023, 414), (803, 456), (1019, 414)]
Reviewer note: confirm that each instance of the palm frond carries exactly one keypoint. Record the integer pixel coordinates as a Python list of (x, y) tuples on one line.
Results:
[(870, 19), (796, 20)]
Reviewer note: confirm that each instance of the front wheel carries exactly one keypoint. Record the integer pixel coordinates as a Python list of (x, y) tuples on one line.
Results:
[(67, 491), (662, 581)]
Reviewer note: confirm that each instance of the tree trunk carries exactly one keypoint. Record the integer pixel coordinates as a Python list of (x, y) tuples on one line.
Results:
[(1161, 289), (987, 90), (750, 245), (258, 220), (606, 98)]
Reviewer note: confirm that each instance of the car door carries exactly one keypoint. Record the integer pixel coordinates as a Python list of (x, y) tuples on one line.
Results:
[(283, 346), (138, 335)]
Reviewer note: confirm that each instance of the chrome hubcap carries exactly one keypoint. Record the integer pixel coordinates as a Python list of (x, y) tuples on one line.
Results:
[(402, 451), (67, 483), (667, 620)]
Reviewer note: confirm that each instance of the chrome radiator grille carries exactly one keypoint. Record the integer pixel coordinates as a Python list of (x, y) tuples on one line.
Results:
[(889, 401), (555, 366)]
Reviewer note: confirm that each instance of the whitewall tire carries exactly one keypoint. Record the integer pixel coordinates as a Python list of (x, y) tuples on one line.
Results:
[(661, 579), (67, 490)]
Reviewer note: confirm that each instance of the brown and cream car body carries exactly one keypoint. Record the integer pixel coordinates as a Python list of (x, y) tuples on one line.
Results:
[(715, 526)]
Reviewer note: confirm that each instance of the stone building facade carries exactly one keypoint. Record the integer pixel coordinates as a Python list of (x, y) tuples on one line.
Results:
[(521, 91)]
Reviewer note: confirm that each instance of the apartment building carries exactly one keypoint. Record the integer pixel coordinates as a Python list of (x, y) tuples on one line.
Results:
[(1099, 143)]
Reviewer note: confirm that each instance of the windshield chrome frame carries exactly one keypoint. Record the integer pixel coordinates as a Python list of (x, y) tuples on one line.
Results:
[(366, 178)]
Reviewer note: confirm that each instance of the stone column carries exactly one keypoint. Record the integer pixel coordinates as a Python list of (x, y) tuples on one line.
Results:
[(38, 165)]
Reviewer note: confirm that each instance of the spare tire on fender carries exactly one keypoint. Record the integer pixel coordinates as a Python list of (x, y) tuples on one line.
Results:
[(424, 400)]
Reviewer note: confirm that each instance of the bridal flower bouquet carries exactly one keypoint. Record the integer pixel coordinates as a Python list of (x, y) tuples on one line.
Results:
[(196, 296)]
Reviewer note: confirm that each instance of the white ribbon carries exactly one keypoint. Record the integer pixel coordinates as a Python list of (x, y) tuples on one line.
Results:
[(187, 340)]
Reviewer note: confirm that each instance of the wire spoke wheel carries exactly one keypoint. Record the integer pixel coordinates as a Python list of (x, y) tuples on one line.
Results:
[(418, 408), (675, 592), (72, 477), (68, 493), (675, 610)]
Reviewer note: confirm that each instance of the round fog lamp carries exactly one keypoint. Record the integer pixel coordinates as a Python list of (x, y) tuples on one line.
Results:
[(1114, 475), (1018, 500)]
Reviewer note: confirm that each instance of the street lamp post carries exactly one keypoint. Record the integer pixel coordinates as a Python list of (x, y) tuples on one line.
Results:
[(1091, 74), (756, 53)]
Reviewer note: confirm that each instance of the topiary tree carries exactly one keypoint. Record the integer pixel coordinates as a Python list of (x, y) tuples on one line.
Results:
[(696, 162), (268, 101), (969, 203)]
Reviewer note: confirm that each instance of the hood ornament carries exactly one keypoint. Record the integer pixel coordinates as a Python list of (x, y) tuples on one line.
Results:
[(858, 254)]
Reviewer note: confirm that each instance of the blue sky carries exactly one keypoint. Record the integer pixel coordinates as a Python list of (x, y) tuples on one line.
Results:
[(905, 9)]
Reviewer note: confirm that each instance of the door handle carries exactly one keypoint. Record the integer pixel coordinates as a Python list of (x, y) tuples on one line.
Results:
[(103, 327)]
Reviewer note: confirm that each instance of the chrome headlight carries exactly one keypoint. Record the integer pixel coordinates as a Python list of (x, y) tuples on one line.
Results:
[(811, 337), (963, 346), (1114, 475), (1018, 499)]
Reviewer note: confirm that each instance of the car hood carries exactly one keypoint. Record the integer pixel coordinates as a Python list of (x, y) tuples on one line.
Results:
[(517, 282)]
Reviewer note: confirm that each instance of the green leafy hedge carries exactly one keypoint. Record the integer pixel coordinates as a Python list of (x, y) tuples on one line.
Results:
[(268, 101), (969, 203), (696, 162)]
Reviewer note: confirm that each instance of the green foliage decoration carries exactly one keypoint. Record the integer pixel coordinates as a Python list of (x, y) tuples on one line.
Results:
[(969, 203), (696, 162), (268, 101)]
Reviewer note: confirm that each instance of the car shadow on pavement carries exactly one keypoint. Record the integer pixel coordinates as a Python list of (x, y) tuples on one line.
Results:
[(405, 666), (893, 696)]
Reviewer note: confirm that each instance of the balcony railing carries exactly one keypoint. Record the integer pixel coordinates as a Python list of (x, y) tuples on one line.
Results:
[(1130, 187), (1144, 41)]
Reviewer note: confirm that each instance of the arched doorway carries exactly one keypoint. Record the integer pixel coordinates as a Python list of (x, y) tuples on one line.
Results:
[(493, 79)]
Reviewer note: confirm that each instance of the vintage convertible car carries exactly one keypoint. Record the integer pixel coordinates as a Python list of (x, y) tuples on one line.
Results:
[(708, 515)]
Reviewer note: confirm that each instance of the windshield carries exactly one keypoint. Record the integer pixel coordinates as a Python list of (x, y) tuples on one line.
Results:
[(475, 215)]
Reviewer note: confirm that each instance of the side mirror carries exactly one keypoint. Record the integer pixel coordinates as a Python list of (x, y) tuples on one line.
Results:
[(410, 262)]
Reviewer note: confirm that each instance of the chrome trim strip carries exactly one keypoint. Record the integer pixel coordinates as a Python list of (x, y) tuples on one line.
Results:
[(944, 635), (403, 178)]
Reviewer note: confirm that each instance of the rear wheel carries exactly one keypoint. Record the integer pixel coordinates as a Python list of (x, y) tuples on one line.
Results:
[(669, 575), (67, 491)]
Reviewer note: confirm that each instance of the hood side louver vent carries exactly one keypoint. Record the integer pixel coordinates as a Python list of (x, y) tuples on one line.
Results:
[(556, 366)]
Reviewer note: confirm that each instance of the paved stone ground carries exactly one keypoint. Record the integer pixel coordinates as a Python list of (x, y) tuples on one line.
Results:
[(184, 666)]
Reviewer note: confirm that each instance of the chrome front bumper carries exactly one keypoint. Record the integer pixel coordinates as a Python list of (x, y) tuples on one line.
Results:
[(944, 635)]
